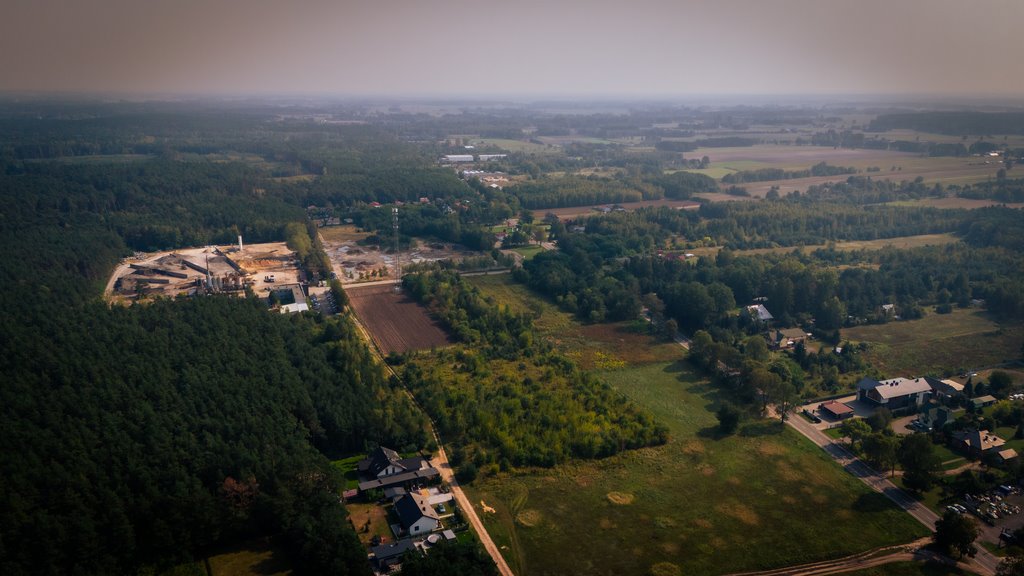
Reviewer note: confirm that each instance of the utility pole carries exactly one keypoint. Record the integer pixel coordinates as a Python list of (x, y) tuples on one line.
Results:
[(398, 254)]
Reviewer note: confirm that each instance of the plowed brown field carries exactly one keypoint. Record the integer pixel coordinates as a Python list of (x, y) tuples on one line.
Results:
[(396, 322)]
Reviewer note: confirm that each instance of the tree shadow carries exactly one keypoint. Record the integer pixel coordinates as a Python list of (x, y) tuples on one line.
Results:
[(873, 502), (762, 428), (712, 433), (677, 367)]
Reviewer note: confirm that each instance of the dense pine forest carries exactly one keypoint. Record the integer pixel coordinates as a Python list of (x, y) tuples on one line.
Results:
[(152, 435)]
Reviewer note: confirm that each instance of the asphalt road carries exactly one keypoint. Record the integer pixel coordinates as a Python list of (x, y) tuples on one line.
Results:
[(984, 562)]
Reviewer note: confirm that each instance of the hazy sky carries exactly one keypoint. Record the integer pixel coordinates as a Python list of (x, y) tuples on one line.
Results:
[(415, 47)]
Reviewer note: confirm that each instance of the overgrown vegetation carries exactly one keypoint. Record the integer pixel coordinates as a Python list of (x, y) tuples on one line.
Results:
[(505, 398)]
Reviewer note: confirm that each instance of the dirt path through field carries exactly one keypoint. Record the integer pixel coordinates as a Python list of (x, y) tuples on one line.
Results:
[(905, 553)]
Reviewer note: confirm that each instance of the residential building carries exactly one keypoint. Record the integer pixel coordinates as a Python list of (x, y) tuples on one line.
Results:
[(758, 314), (983, 401), (789, 337), (385, 468), (894, 394), (1004, 456), (387, 555), (945, 388), (416, 515), (978, 442), (836, 410)]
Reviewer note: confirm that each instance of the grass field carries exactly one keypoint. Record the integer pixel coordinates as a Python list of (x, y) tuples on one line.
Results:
[(256, 558), (591, 345), (938, 343), (529, 251), (901, 242), (347, 466), (715, 172), (346, 233), (701, 504), (516, 145), (368, 520)]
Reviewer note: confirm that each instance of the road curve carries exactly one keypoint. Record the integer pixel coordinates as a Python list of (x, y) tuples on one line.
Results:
[(984, 562)]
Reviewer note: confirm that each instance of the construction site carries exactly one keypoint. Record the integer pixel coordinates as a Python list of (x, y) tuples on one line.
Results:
[(357, 262), (269, 270)]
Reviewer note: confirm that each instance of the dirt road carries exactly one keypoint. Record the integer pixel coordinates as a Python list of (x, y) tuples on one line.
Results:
[(877, 557), (440, 461)]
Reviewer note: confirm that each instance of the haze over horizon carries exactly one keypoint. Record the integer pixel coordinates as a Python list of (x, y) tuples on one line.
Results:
[(406, 47)]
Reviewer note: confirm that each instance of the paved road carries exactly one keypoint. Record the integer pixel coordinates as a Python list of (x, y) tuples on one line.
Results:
[(985, 562)]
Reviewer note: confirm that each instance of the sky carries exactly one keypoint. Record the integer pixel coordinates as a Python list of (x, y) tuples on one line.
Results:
[(513, 47)]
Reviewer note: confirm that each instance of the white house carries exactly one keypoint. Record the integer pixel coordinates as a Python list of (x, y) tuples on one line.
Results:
[(416, 514)]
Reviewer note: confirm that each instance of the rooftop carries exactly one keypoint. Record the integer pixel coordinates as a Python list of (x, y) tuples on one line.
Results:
[(897, 387), (837, 408)]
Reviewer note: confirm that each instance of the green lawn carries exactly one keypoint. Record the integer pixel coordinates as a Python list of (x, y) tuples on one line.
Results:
[(938, 343), (763, 498), (347, 466), (529, 251)]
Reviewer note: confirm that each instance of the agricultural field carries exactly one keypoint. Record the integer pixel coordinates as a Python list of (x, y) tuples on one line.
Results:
[(591, 345), (966, 339), (893, 165), (701, 504), (799, 157), (396, 322)]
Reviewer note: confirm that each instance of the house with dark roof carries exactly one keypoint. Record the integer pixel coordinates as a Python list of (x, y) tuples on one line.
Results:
[(384, 556), (416, 515), (894, 394), (385, 468)]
